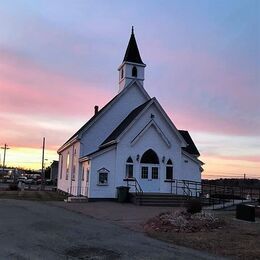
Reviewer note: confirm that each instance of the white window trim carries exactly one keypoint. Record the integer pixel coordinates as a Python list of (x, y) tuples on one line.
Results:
[(102, 170)]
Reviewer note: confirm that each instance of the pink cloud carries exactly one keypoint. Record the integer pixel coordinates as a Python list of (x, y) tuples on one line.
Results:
[(247, 158), (27, 88)]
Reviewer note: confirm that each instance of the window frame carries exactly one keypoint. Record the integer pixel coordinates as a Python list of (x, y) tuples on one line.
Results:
[(67, 165), (169, 166), (83, 173), (144, 175), (104, 172), (61, 165), (129, 168)]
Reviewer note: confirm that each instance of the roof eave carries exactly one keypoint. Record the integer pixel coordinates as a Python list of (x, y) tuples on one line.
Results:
[(192, 157), (66, 145)]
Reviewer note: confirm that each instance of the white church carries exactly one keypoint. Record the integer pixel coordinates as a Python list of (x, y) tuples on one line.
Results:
[(131, 142)]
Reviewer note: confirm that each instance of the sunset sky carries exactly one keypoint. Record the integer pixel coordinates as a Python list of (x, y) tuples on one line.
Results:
[(59, 58)]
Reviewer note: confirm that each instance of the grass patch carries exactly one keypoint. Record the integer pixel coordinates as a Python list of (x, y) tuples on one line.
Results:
[(32, 195)]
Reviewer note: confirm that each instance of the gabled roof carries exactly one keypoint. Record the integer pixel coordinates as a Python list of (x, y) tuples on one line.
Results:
[(129, 120), (95, 117), (132, 53), (191, 148), (91, 120), (125, 123)]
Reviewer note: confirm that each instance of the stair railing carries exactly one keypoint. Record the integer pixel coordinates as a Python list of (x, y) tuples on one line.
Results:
[(136, 185)]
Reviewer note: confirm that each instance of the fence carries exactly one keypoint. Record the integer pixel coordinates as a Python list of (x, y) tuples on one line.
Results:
[(214, 194)]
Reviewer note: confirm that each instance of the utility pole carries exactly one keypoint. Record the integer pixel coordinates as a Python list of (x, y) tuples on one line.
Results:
[(42, 173), (5, 148)]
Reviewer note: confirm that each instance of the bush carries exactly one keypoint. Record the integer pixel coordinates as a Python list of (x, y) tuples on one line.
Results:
[(194, 206), (13, 186)]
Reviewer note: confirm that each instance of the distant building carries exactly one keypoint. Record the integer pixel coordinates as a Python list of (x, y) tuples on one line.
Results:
[(130, 139), (54, 171)]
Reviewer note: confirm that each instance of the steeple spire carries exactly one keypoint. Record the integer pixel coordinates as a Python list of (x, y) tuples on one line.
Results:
[(132, 53), (132, 67)]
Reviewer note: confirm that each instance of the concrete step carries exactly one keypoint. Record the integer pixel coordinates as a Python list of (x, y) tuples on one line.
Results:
[(76, 199), (162, 204), (165, 200), (161, 198)]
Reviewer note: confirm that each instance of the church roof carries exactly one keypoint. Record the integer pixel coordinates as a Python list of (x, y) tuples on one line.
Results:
[(191, 148), (90, 120), (125, 123), (132, 53)]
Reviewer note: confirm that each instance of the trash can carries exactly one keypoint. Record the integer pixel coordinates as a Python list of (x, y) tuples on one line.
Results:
[(245, 212), (122, 193)]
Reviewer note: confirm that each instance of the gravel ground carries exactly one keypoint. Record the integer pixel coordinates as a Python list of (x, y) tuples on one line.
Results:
[(38, 230)]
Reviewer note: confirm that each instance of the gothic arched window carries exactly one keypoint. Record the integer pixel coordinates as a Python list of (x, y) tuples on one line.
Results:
[(129, 168), (134, 72), (169, 170), (150, 157)]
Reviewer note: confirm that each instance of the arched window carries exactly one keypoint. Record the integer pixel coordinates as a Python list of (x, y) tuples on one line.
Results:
[(129, 168), (150, 157), (169, 170), (134, 72)]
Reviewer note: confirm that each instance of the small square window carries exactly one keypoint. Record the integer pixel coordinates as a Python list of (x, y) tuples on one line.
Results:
[(103, 176)]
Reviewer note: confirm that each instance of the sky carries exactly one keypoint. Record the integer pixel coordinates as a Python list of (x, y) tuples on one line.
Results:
[(59, 58)]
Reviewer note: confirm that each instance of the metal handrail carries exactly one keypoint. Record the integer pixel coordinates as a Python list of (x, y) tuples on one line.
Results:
[(137, 186), (214, 193)]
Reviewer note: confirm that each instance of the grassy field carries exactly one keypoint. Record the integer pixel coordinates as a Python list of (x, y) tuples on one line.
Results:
[(237, 239), (32, 195)]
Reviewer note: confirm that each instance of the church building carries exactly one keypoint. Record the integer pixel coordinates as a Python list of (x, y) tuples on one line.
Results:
[(131, 142)]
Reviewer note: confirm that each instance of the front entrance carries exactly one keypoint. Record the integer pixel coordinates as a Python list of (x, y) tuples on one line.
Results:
[(149, 175), (149, 178)]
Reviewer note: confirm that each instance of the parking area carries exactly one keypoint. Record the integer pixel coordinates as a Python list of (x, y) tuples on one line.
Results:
[(40, 230), (123, 214)]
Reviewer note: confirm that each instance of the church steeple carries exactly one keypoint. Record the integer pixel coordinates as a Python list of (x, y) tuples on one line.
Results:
[(132, 67), (132, 53)]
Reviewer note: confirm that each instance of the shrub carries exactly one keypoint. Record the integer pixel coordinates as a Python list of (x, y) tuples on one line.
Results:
[(13, 186), (194, 206)]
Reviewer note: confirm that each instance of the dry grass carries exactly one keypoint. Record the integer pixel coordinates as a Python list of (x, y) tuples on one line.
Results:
[(237, 239), (31, 195)]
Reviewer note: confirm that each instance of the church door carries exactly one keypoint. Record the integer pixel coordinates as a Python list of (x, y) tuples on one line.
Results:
[(150, 172), (149, 178)]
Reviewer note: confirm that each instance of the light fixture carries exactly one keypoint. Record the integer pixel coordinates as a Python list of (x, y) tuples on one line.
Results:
[(163, 159), (137, 157)]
